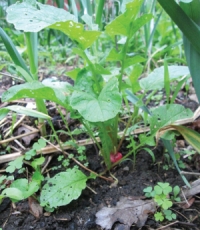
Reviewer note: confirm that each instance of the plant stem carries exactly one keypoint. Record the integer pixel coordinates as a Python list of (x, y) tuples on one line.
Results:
[(91, 66), (77, 162), (127, 126), (99, 13), (91, 134), (32, 50), (66, 125)]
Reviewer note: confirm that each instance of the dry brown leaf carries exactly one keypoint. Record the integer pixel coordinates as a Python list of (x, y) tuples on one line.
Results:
[(35, 207), (27, 139), (127, 212), (187, 204)]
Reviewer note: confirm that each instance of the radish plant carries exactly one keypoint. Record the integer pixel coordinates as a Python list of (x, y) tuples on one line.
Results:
[(99, 87)]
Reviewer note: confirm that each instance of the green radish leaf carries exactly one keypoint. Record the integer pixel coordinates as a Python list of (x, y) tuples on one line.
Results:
[(13, 193), (26, 188), (121, 24), (133, 60), (155, 80), (54, 91), (98, 108), (29, 18), (167, 114), (29, 112), (20, 189), (35, 18), (114, 55), (63, 188), (76, 32)]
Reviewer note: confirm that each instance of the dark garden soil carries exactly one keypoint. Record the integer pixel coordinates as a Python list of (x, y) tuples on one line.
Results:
[(132, 179)]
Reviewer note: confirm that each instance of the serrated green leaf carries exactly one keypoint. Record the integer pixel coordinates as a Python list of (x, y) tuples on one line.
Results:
[(98, 108), (63, 188)]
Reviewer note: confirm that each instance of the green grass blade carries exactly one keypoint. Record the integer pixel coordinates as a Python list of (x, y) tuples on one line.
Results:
[(166, 80), (191, 136), (186, 25), (192, 56), (169, 148), (99, 13), (193, 61), (32, 49), (14, 54)]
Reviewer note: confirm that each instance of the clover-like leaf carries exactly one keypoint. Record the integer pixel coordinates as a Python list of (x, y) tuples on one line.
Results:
[(98, 108)]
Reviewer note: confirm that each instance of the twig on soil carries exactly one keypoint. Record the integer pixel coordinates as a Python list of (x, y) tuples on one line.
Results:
[(168, 225), (183, 195), (91, 189), (51, 149), (15, 125), (77, 162), (19, 136), (180, 214), (190, 173), (46, 164), (19, 144)]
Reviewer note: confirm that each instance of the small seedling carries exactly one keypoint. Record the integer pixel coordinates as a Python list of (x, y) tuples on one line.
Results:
[(161, 195)]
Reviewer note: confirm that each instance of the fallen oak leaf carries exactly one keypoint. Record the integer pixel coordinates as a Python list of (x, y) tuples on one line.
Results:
[(127, 212), (26, 139), (187, 204), (35, 207)]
